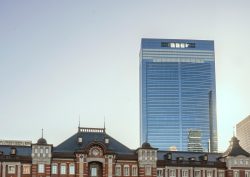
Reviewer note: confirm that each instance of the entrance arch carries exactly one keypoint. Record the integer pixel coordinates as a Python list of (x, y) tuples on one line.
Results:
[(95, 169)]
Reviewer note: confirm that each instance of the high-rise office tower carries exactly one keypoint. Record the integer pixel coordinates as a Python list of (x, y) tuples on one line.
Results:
[(194, 141), (177, 92), (243, 133)]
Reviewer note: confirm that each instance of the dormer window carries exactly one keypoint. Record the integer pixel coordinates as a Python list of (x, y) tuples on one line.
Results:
[(13, 151), (106, 140), (205, 157), (192, 158), (180, 158), (79, 140), (169, 156)]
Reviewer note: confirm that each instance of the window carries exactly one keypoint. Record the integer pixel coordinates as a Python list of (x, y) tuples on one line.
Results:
[(166, 173), (134, 170), (13, 151), (172, 173), (46, 150), (35, 150), (241, 161), (11, 169), (63, 169), (93, 171), (26, 169), (184, 173), (197, 174), (235, 162), (118, 170), (54, 169), (159, 172), (247, 173), (221, 174), (143, 155), (209, 173), (148, 170), (40, 168), (236, 174), (71, 169), (126, 170), (172, 45), (41, 151)]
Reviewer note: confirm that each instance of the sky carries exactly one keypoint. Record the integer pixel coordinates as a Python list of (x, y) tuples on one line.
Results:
[(61, 60)]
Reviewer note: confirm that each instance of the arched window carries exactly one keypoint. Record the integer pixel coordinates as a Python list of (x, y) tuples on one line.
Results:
[(134, 170), (126, 170), (118, 170), (72, 169)]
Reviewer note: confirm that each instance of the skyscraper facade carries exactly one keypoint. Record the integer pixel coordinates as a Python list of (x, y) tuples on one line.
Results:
[(243, 133), (177, 92)]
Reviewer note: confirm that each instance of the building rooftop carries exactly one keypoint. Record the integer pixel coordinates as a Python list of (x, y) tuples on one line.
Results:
[(89, 135), (235, 149)]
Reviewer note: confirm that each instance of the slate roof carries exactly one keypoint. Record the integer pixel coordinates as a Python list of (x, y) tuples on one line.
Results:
[(42, 141), (20, 150), (235, 149), (71, 144), (186, 155)]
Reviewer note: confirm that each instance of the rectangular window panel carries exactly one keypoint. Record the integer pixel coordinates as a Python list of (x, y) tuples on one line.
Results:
[(11, 169), (40, 168), (54, 169), (26, 169), (148, 171), (126, 171), (184, 173), (118, 171), (72, 169), (63, 169), (93, 171), (134, 171)]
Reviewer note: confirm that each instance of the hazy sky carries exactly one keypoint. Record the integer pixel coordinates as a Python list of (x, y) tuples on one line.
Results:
[(60, 59)]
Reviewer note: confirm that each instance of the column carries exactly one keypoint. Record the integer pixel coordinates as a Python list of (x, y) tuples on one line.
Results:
[(81, 168), (19, 170), (4, 169), (110, 164)]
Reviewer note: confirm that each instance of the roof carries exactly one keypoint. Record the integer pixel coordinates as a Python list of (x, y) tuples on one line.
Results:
[(235, 149), (186, 155), (146, 145), (20, 150), (90, 136), (42, 141)]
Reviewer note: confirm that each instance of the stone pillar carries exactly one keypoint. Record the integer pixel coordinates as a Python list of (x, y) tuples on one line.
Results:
[(4, 169), (19, 170), (81, 166), (110, 164)]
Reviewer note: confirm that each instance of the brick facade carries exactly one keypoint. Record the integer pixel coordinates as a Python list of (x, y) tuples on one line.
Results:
[(91, 152)]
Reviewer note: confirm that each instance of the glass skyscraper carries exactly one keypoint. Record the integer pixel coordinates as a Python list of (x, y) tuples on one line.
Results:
[(177, 93)]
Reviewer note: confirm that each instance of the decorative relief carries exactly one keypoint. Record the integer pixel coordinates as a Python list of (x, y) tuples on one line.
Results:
[(95, 151)]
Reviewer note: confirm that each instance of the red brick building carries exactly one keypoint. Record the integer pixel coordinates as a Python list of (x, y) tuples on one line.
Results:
[(93, 153)]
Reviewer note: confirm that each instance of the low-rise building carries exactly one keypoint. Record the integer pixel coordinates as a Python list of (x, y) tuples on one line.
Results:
[(91, 152)]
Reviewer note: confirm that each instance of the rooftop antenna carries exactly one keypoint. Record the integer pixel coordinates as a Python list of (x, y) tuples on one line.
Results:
[(104, 125), (104, 122), (233, 130), (79, 121), (42, 132)]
